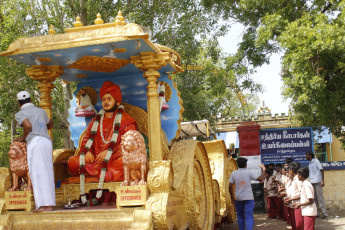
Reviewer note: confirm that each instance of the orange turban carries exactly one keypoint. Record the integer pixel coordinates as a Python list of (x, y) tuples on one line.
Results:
[(113, 89)]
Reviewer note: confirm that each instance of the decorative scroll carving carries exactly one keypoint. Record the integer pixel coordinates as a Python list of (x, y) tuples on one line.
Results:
[(158, 180), (98, 64), (174, 56), (77, 37), (192, 179), (73, 190), (150, 60)]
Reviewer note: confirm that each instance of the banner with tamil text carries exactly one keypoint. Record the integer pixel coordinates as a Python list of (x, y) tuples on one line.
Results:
[(278, 144)]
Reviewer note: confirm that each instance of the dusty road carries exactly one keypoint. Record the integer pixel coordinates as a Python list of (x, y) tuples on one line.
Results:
[(336, 220)]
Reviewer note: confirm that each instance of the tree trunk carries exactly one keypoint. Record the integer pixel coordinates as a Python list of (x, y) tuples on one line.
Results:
[(68, 143), (13, 129), (83, 12)]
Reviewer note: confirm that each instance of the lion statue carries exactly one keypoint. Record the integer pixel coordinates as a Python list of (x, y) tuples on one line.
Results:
[(19, 166), (134, 158)]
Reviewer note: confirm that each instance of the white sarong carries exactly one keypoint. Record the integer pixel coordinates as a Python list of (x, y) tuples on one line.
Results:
[(40, 162)]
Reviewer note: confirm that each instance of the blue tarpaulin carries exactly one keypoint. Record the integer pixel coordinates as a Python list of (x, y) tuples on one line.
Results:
[(325, 136)]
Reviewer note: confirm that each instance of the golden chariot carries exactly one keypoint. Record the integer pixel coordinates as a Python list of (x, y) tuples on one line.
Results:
[(188, 180)]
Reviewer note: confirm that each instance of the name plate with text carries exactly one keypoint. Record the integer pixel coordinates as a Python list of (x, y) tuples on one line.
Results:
[(18, 200), (131, 195)]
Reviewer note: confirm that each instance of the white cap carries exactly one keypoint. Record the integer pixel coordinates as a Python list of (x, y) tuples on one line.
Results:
[(22, 95)]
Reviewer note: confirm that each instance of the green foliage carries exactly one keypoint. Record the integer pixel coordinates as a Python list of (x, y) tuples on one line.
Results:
[(311, 33), (213, 91), (182, 25)]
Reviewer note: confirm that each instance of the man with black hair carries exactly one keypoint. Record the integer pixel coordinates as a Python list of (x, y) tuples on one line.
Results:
[(316, 177), (36, 123), (244, 199)]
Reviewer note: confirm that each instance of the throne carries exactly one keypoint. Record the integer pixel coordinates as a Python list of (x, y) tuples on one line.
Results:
[(71, 191)]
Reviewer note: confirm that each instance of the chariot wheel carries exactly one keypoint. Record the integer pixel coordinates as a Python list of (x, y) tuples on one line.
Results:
[(192, 178)]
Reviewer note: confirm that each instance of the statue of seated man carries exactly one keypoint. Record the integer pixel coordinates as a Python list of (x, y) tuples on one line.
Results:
[(84, 102), (102, 134)]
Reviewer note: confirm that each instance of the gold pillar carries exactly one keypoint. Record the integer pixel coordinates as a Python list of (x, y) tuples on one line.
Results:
[(45, 75), (151, 62)]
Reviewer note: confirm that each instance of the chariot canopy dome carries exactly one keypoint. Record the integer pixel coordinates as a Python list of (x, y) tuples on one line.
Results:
[(86, 51)]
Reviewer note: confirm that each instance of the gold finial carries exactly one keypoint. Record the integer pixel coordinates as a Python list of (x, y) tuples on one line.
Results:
[(51, 30), (120, 20), (78, 23), (99, 19)]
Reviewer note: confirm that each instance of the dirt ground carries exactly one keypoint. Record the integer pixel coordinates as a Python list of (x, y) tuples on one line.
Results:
[(336, 220)]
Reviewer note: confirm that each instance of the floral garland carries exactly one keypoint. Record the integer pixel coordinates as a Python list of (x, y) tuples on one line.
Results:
[(116, 125)]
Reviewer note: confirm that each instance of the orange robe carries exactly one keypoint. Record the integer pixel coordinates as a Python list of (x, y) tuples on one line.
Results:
[(115, 165)]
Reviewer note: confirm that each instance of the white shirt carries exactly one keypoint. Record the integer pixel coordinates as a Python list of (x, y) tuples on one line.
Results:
[(278, 177), (268, 185), (307, 191), (315, 175), (242, 179), (38, 119), (296, 188), (289, 191)]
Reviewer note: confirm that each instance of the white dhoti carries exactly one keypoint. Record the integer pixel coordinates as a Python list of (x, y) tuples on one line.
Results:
[(40, 162)]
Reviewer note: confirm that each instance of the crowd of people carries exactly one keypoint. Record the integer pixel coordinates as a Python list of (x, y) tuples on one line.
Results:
[(289, 195)]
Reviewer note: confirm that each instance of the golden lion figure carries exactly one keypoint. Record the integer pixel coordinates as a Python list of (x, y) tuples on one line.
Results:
[(19, 165), (134, 158)]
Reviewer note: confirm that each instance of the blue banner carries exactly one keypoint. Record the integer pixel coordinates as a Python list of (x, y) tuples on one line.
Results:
[(335, 165), (278, 144)]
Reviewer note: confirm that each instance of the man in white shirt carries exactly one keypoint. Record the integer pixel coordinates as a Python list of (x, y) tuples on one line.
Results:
[(244, 201), (316, 177), (36, 123)]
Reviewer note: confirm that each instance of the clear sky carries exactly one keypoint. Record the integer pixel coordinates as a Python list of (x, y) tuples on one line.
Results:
[(267, 75)]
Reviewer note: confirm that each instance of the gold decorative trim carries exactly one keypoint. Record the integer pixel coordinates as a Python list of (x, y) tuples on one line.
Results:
[(142, 219), (192, 179), (73, 219), (77, 22), (72, 191), (80, 75), (120, 50), (175, 56), (120, 20), (99, 19), (77, 37), (150, 60), (158, 181), (98, 64), (180, 102), (5, 181), (216, 194), (44, 59)]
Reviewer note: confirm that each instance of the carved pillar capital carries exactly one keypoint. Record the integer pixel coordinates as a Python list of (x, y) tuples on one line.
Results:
[(45, 75), (151, 62)]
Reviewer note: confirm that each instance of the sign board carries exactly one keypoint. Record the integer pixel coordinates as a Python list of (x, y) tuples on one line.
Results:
[(278, 144), (131, 195), (18, 200)]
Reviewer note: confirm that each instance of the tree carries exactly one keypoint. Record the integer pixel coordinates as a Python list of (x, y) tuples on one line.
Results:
[(182, 25), (311, 35), (211, 88)]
